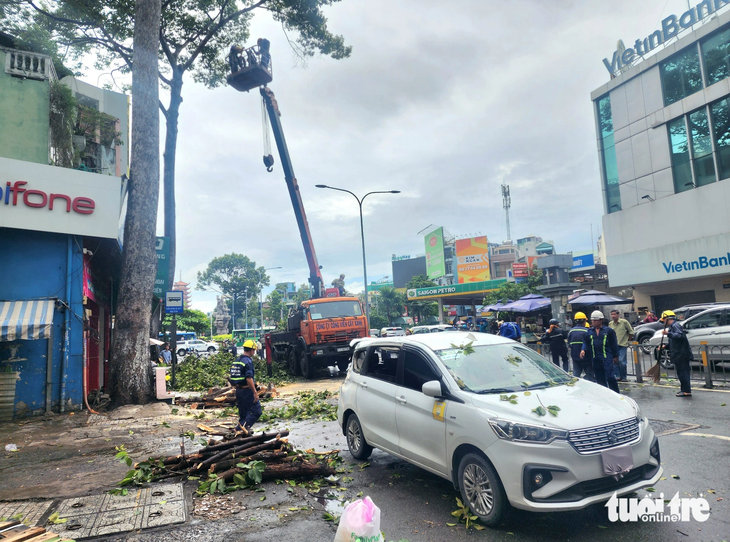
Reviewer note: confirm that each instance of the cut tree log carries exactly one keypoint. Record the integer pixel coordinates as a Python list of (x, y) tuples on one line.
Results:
[(284, 470)]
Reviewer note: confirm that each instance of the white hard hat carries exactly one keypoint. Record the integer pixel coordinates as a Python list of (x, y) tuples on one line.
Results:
[(595, 315)]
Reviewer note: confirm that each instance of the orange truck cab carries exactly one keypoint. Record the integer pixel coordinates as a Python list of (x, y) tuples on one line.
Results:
[(318, 334)]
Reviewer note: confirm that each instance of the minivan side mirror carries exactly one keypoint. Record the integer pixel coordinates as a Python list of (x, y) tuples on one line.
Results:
[(432, 388)]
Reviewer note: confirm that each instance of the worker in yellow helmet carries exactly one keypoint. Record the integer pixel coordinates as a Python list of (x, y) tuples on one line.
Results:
[(576, 336), (243, 378), (680, 352)]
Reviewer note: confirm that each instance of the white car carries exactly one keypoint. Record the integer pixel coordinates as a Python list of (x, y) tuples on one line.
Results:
[(436, 328), (711, 326), (392, 332), (503, 424), (196, 344)]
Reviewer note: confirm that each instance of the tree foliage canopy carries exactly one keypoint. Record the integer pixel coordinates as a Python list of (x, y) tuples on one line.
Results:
[(233, 274), (189, 320), (515, 290)]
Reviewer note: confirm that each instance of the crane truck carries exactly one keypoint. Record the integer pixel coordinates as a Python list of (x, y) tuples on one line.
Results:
[(319, 330)]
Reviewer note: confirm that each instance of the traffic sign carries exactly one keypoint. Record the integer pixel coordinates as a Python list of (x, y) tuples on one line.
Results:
[(173, 302)]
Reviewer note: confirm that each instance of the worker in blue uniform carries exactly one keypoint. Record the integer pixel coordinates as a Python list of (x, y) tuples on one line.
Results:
[(243, 378), (576, 336), (601, 344)]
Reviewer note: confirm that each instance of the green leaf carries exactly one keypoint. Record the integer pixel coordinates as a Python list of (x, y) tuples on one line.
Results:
[(650, 489), (452, 524), (56, 520), (540, 411), (553, 410)]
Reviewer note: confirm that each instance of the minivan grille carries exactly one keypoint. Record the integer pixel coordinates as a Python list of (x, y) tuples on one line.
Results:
[(602, 437)]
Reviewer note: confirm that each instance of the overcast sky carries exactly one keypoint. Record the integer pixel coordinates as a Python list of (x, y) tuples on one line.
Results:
[(441, 100)]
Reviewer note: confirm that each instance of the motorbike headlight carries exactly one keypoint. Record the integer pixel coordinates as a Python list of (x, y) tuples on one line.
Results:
[(521, 432)]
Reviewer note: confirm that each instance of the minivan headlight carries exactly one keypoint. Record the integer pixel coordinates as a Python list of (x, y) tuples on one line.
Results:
[(521, 432)]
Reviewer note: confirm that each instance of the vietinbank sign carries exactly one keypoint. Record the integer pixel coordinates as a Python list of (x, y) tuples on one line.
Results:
[(671, 27), (695, 258), (53, 199), (703, 262)]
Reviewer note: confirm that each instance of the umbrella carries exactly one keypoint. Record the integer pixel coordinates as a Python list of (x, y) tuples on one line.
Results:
[(594, 297), (496, 306), (528, 303)]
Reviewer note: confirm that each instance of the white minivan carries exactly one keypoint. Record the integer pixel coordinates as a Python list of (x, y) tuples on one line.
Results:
[(503, 424)]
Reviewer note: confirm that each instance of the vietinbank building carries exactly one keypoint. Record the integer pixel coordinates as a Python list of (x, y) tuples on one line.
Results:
[(663, 138)]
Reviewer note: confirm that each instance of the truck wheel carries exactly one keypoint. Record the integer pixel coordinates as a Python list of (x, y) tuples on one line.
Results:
[(306, 365), (294, 363)]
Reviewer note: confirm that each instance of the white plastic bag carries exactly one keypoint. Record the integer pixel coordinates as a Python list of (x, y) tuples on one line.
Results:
[(360, 523)]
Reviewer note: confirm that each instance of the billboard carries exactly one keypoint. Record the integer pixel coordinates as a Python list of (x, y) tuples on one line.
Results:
[(435, 261), (162, 250), (519, 270), (472, 256), (405, 270), (583, 261)]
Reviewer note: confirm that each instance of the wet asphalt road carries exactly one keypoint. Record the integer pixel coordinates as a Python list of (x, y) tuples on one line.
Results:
[(416, 505)]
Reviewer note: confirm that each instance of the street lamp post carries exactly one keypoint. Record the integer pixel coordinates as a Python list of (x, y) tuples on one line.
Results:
[(362, 236)]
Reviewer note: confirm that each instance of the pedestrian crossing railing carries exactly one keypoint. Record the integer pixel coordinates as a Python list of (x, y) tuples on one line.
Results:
[(711, 363)]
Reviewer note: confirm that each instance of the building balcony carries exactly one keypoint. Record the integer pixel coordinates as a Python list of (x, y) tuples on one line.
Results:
[(29, 65)]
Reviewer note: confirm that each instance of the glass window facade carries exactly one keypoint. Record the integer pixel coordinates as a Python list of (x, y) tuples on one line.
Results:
[(720, 113), (681, 75), (608, 151), (716, 57), (702, 160), (681, 168)]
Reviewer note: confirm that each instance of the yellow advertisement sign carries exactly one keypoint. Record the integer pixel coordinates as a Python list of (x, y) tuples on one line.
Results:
[(472, 256)]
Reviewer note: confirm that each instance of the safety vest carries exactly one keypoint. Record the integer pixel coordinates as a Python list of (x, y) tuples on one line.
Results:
[(238, 371)]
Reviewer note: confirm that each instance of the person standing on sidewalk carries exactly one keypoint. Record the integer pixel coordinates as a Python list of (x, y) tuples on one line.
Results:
[(576, 337), (166, 355), (555, 337), (680, 352), (601, 345), (624, 332), (243, 378)]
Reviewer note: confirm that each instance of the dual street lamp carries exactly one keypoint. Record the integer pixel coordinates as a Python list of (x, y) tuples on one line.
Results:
[(362, 235)]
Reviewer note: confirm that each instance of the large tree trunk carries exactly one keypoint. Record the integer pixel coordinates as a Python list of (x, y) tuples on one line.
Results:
[(130, 365), (171, 119)]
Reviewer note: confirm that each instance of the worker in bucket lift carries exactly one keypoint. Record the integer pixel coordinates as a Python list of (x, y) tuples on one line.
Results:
[(235, 59), (242, 377)]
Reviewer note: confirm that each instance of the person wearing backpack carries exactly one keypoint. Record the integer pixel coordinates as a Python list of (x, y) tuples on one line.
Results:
[(509, 330), (680, 352)]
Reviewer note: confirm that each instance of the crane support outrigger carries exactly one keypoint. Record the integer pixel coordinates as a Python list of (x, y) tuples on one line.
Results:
[(320, 329)]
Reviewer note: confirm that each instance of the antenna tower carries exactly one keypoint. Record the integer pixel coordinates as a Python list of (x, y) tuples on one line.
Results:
[(506, 203)]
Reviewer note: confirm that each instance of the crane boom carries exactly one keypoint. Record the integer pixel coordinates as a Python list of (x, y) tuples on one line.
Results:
[(315, 276)]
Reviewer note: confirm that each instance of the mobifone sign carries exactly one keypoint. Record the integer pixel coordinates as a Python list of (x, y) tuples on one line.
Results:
[(671, 26), (59, 200)]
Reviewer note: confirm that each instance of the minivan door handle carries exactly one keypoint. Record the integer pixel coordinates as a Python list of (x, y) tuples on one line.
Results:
[(402, 399), (364, 385)]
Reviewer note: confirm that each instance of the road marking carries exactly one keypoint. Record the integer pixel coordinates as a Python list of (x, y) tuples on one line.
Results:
[(694, 388), (705, 435)]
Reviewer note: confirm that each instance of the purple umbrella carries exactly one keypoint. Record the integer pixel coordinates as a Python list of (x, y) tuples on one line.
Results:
[(528, 303)]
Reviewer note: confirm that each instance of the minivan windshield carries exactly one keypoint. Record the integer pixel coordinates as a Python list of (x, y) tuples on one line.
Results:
[(500, 368), (334, 309)]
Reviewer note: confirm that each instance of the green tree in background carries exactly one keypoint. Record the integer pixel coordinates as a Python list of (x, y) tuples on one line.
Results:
[(194, 38), (515, 290), (391, 303), (422, 309), (189, 320), (234, 275)]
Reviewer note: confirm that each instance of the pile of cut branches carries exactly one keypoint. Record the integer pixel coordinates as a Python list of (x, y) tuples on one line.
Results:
[(239, 461)]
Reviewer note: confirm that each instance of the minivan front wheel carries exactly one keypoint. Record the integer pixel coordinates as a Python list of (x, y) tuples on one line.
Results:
[(482, 489), (359, 449)]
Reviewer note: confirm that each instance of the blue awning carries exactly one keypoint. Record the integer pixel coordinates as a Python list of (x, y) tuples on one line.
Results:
[(29, 319)]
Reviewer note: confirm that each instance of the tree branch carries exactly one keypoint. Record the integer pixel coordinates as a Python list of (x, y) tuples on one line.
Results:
[(212, 32)]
